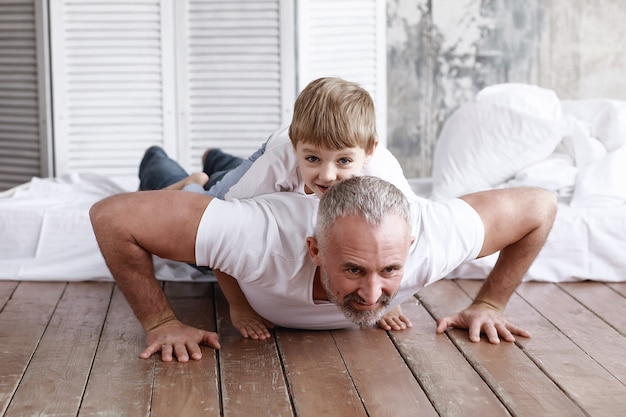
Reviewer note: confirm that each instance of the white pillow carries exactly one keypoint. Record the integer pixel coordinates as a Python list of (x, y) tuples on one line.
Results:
[(607, 118), (487, 141)]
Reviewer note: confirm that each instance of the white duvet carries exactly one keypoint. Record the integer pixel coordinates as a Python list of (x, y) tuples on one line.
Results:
[(518, 135)]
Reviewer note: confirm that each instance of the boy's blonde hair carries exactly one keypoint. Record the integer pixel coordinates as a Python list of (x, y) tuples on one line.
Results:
[(334, 113)]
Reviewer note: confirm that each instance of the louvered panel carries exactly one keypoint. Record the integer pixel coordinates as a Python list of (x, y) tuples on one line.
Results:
[(340, 39), (233, 67), (110, 92), (345, 38), (19, 102)]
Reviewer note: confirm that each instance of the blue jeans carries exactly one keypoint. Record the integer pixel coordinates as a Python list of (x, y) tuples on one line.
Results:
[(157, 171)]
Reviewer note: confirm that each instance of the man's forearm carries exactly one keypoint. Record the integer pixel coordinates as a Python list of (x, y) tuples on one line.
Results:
[(133, 271), (497, 289), (146, 297), (512, 264), (131, 266), (517, 223)]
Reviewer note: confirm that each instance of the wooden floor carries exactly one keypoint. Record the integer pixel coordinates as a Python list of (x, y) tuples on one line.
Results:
[(70, 349)]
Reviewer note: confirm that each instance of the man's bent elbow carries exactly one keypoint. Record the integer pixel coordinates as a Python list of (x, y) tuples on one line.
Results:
[(102, 214), (97, 213), (547, 207)]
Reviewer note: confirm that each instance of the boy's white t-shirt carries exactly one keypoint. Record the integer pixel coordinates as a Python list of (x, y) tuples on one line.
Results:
[(277, 170), (276, 274)]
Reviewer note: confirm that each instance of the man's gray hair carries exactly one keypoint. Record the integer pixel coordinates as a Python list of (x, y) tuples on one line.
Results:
[(371, 198)]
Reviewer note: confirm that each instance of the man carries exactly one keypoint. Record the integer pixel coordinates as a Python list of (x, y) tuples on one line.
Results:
[(369, 250)]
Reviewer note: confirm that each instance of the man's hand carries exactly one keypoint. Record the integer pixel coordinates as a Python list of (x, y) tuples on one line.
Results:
[(394, 320), (175, 338), (482, 317)]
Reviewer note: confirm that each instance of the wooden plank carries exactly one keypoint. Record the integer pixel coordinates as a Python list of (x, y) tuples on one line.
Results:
[(22, 322), (120, 383), (601, 392), (6, 291), (252, 377), (619, 287), (602, 300), (189, 389), (576, 372), (451, 383), (54, 382), (370, 355), (522, 387), (318, 380), (582, 326)]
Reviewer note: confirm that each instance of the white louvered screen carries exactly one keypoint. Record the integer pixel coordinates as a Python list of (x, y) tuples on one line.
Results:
[(21, 134), (113, 83), (185, 75), (238, 62), (345, 38)]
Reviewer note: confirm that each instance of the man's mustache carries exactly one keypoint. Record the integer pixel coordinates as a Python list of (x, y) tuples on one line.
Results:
[(383, 300)]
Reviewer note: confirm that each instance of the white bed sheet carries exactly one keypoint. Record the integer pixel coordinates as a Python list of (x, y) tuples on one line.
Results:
[(46, 235), (585, 243)]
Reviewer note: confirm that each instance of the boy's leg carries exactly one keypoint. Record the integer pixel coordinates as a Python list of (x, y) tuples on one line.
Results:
[(216, 164), (215, 160), (219, 185), (157, 170), (194, 182)]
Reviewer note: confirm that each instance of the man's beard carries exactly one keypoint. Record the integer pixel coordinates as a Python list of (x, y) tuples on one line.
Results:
[(367, 318)]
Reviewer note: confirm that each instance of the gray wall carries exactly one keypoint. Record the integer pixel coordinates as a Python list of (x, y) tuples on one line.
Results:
[(441, 52)]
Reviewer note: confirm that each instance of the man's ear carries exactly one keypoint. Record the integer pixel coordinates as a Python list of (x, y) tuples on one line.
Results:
[(314, 250)]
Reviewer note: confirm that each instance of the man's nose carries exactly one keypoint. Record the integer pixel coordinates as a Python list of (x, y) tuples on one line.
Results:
[(370, 289)]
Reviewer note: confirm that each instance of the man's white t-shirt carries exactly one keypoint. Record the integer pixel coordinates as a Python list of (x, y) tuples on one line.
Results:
[(262, 243), (277, 170)]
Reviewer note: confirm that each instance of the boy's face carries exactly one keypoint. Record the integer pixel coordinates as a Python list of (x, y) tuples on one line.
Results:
[(321, 167)]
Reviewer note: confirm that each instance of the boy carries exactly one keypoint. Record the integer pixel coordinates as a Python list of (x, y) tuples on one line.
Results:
[(332, 137)]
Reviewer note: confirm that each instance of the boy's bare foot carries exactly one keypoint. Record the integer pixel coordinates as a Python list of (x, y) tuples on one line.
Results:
[(250, 324), (394, 320), (199, 178)]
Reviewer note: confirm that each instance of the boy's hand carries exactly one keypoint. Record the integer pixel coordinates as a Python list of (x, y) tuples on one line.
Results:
[(249, 323), (394, 320)]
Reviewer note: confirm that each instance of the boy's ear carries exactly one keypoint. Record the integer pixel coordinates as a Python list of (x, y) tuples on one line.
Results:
[(314, 250), (370, 154)]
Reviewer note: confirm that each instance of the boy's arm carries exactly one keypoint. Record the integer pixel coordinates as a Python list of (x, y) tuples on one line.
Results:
[(275, 170), (242, 315)]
